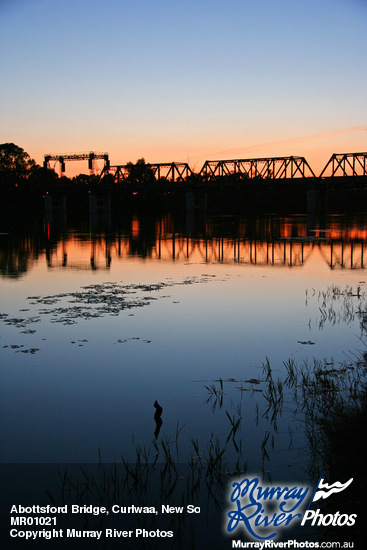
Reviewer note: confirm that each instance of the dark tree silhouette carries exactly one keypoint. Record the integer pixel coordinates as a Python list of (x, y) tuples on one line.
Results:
[(41, 177), (84, 179), (15, 163), (140, 173)]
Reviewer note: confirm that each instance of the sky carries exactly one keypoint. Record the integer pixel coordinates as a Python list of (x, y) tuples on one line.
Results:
[(184, 81)]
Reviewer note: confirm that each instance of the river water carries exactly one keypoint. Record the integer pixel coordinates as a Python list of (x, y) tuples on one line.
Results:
[(99, 322), (149, 357)]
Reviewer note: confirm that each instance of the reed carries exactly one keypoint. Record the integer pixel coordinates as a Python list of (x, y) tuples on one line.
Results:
[(326, 398)]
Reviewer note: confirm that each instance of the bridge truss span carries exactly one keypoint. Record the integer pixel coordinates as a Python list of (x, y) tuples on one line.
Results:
[(173, 171), (170, 171), (346, 164), (258, 168)]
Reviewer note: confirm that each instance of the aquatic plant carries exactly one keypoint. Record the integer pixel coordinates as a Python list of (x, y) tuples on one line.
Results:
[(326, 401)]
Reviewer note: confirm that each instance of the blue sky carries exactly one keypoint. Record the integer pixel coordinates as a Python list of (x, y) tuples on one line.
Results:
[(184, 81)]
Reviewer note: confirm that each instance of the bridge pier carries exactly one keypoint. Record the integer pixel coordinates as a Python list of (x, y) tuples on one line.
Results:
[(55, 207), (195, 203), (312, 200), (317, 207), (99, 211)]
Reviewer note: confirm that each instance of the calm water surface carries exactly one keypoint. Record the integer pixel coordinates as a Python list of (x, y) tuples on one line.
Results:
[(97, 324)]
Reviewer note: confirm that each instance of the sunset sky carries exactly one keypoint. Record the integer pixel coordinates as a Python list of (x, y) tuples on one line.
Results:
[(185, 80)]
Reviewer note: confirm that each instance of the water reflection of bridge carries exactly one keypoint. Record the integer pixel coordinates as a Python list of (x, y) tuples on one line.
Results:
[(286, 252), (100, 252)]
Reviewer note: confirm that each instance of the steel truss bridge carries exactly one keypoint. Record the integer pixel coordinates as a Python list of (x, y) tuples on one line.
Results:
[(90, 157), (272, 168)]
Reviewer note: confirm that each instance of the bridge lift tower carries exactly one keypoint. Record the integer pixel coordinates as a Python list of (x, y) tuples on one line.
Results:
[(91, 157)]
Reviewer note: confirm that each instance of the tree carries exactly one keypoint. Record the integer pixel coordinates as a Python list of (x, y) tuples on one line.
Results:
[(84, 179), (41, 177), (15, 163), (140, 173)]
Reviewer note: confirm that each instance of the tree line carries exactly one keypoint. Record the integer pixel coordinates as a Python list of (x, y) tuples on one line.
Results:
[(19, 170)]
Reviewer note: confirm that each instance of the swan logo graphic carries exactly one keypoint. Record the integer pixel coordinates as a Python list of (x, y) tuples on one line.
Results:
[(323, 490)]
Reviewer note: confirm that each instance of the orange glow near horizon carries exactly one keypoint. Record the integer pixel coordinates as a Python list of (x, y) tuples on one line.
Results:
[(316, 148)]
